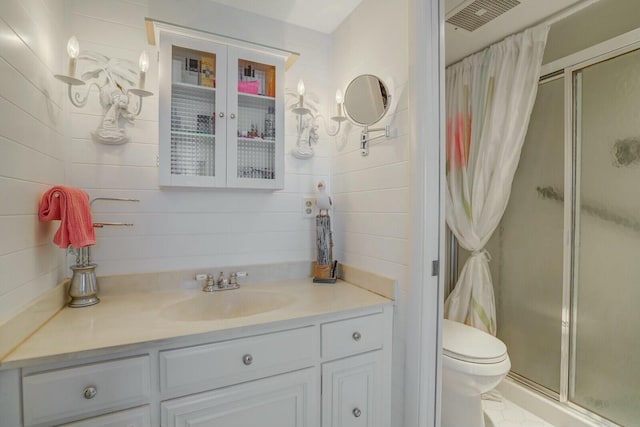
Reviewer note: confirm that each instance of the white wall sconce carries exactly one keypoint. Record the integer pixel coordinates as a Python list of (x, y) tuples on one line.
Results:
[(339, 117), (307, 120), (116, 81)]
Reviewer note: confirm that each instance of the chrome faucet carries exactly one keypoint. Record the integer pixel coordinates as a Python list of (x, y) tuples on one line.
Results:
[(222, 283)]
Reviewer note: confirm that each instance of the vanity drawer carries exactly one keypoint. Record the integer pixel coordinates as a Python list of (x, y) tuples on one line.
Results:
[(138, 417), (210, 366), (85, 390), (351, 336)]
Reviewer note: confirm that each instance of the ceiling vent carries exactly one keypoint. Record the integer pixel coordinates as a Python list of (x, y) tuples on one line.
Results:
[(479, 12)]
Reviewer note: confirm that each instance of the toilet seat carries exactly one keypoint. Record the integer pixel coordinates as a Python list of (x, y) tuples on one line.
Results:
[(471, 345)]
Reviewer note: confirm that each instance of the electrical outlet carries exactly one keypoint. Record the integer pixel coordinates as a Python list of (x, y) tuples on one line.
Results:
[(308, 207)]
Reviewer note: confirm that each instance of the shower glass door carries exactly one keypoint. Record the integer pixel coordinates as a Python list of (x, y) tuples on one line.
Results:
[(568, 310), (605, 356), (527, 248)]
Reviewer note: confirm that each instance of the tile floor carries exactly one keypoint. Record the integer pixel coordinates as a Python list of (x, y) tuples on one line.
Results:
[(508, 414)]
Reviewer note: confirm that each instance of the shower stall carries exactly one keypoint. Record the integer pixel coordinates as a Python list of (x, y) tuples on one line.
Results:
[(566, 255)]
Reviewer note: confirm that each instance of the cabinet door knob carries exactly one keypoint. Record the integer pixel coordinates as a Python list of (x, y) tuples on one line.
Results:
[(356, 336), (357, 412), (221, 114), (90, 392), (233, 116), (247, 359)]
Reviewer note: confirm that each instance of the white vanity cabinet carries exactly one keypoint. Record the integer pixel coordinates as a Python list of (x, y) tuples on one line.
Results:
[(221, 114), (327, 370), (355, 387), (352, 393)]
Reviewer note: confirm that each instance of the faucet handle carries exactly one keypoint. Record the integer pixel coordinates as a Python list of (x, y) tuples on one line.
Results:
[(210, 284), (233, 278)]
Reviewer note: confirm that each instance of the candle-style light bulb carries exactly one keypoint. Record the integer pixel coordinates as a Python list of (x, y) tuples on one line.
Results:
[(73, 49), (339, 100), (143, 61), (300, 93)]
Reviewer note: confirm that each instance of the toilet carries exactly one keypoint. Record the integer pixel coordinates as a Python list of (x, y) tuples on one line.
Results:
[(473, 362)]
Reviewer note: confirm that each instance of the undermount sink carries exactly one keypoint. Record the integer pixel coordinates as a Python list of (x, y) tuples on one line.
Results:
[(225, 305)]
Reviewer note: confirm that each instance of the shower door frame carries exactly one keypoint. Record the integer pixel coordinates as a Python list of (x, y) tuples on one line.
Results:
[(568, 68)]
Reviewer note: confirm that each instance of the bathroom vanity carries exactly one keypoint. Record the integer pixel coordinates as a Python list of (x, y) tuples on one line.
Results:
[(318, 356)]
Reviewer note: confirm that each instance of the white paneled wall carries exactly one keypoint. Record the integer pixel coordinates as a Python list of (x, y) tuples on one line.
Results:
[(190, 228), (371, 194), (31, 148)]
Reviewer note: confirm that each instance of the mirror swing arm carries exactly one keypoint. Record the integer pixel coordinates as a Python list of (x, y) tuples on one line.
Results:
[(365, 139)]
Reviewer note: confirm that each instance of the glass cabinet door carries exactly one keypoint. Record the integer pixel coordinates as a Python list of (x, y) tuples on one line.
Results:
[(192, 112), (255, 131)]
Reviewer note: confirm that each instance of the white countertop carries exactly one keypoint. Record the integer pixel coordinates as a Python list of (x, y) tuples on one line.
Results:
[(131, 316)]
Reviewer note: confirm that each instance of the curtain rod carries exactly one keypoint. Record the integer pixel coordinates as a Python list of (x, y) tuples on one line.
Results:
[(565, 13)]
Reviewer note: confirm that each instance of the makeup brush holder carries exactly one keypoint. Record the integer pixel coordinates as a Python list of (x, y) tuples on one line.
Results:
[(84, 286)]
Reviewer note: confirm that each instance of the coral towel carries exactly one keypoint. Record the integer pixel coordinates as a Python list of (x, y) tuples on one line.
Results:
[(71, 206)]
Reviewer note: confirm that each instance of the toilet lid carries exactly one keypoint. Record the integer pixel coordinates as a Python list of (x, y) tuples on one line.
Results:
[(469, 344)]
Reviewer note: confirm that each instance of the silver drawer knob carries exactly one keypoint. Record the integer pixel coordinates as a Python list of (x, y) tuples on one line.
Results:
[(233, 116), (221, 115), (357, 412), (356, 336), (247, 359), (90, 392)]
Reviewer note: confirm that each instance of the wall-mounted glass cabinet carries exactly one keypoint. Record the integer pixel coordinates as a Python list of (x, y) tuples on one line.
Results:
[(221, 115)]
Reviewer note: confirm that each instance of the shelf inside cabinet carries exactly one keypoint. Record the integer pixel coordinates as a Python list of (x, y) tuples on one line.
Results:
[(188, 133), (257, 140), (255, 101), (252, 95), (192, 87)]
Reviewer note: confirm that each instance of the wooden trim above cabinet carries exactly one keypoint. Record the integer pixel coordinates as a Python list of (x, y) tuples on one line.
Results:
[(153, 25)]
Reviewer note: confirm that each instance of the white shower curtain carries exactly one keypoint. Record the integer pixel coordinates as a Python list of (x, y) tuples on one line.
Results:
[(489, 98)]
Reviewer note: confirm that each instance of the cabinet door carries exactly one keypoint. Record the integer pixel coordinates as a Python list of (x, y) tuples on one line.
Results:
[(351, 392), (287, 400), (256, 120), (192, 112)]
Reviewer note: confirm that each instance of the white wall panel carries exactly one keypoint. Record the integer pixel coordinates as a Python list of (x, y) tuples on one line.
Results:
[(21, 92), (189, 228), (37, 27), (85, 151), (22, 232), (31, 147), (26, 265), (20, 126), (19, 161), (23, 59), (13, 301), (381, 224), (142, 131), (371, 194), (112, 11), (18, 196)]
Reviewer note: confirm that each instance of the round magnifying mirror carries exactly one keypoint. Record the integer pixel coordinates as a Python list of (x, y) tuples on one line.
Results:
[(366, 99)]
